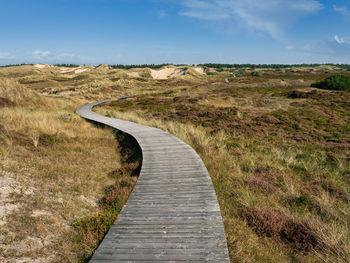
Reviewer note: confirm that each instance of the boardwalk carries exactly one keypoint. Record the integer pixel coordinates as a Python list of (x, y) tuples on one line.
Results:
[(172, 214)]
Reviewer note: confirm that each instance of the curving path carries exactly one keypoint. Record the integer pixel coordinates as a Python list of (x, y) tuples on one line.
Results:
[(172, 214)]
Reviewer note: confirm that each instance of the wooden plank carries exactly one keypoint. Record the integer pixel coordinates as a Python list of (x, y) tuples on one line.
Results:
[(172, 214)]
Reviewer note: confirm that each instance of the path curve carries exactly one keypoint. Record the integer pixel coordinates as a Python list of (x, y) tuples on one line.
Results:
[(172, 215)]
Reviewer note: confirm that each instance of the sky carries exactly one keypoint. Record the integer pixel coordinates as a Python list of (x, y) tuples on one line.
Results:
[(174, 31)]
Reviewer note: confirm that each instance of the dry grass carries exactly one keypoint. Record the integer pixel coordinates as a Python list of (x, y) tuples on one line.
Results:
[(261, 159), (54, 171), (277, 151), (230, 161)]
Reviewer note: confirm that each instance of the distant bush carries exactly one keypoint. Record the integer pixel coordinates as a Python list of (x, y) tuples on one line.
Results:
[(16, 65), (256, 74), (273, 66), (336, 82), (67, 65), (211, 73)]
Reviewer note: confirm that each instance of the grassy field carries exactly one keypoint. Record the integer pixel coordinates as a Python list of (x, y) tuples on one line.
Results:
[(62, 180), (276, 149)]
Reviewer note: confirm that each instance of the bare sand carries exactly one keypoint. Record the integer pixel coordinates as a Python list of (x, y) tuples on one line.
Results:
[(168, 72)]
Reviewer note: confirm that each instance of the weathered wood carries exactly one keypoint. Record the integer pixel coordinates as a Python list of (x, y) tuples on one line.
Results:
[(172, 214)]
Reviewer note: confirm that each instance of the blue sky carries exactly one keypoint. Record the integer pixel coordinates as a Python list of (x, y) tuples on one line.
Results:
[(174, 31)]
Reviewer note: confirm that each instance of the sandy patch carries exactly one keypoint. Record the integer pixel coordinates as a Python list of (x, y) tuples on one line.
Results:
[(200, 70), (167, 73), (8, 187), (41, 213), (81, 70), (67, 70), (134, 74), (28, 244), (41, 66), (31, 260), (88, 201)]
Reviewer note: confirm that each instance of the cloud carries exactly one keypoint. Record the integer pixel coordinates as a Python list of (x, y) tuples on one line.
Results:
[(269, 16), (50, 56), (42, 54), (342, 10), (6, 55), (339, 48), (342, 40)]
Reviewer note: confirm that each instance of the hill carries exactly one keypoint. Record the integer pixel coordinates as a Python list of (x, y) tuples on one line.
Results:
[(276, 148)]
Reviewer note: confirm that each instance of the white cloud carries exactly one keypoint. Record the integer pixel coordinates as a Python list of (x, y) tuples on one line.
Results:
[(270, 16), (6, 55), (342, 40), (50, 56), (42, 54), (68, 56), (342, 10), (339, 47)]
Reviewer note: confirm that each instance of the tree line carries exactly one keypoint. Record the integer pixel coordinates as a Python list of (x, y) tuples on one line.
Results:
[(273, 66), (219, 67)]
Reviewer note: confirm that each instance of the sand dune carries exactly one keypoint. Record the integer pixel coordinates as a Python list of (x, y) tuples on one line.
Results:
[(200, 70), (81, 70), (41, 66), (134, 74), (168, 72)]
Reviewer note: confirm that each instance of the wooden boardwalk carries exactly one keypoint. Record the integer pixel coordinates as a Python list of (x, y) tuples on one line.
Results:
[(172, 214)]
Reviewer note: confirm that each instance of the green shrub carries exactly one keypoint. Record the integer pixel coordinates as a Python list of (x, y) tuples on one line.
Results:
[(211, 73), (67, 65), (336, 82), (256, 74)]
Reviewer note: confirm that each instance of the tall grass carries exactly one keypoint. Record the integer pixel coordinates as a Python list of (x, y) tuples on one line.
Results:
[(257, 183), (57, 207)]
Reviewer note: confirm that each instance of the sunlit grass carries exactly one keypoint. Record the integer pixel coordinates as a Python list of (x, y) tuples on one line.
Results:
[(276, 149)]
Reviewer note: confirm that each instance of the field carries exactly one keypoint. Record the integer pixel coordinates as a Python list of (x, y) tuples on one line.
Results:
[(277, 149)]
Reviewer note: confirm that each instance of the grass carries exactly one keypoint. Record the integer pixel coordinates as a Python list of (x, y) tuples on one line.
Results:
[(336, 82), (271, 162), (234, 161), (277, 151), (256, 74), (57, 208)]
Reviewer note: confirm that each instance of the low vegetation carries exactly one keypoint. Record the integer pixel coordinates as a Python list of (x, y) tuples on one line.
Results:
[(63, 181), (336, 82), (276, 148), (256, 74), (278, 153), (89, 231), (152, 66), (270, 66), (67, 65)]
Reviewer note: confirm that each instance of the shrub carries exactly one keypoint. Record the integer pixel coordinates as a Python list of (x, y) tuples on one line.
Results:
[(67, 65), (300, 234), (256, 74), (336, 82)]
